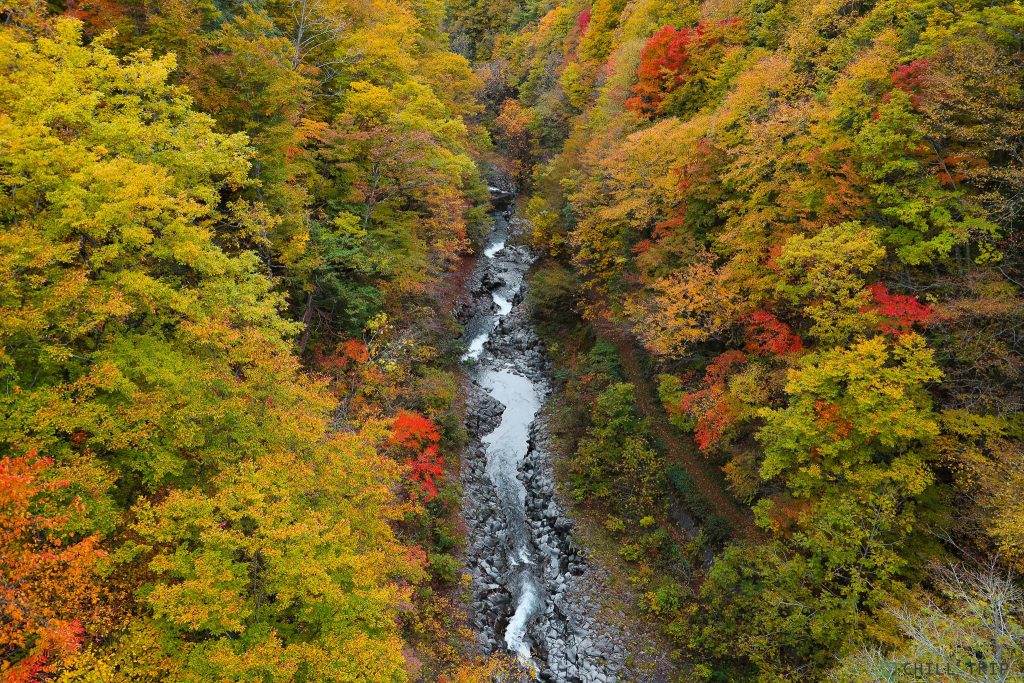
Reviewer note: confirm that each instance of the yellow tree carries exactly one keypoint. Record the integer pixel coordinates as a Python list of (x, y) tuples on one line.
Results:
[(685, 309), (157, 370)]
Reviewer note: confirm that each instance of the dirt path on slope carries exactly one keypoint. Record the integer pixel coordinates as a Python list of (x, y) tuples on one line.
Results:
[(706, 477)]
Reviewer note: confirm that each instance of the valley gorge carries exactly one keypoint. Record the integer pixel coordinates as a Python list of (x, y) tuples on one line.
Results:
[(497, 341), (533, 593)]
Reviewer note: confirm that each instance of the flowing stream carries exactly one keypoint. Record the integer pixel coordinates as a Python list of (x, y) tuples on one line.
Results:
[(530, 596)]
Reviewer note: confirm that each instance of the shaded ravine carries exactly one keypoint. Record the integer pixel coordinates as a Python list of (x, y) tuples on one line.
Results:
[(533, 595)]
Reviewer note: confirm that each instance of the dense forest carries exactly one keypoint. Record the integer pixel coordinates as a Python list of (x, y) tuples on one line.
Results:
[(225, 397), (779, 277)]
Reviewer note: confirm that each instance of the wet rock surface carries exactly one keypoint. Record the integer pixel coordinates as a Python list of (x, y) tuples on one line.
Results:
[(534, 593)]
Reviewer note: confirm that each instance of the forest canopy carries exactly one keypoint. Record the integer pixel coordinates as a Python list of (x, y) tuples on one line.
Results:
[(785, 234), (809, 214), (221, 227)]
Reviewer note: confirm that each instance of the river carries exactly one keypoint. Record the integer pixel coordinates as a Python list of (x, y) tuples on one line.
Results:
[(532, 596)]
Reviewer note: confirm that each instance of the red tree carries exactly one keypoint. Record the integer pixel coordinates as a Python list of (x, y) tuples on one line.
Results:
[(911, 79), (901, 312), (583, 21), (663, 64), (419, 438), (710, 405), (767, 335), (667, 59)]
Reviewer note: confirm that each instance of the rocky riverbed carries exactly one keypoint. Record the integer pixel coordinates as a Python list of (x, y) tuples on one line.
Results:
[(534, 593)]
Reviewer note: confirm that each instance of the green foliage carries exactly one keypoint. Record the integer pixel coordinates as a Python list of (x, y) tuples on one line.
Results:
[(813, 226), (670, 393), (667, 599), (765, 615), (716, 529), (604, 360), (925, 221), (444, 568), (614, 461), (551, 291), (859, 417)]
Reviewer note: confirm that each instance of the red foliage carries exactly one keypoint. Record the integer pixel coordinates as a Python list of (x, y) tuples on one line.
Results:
[(665, 62), (720, 368), (58, 640), (767, 335), (714, 415), (413, 430), (97, 15), (347, 354), (948, 173), (662, 67), (420, 435), (911, 79), (354, 351), (712, 425), (643, 246), (426, 468), (583, 21), (901, 311)]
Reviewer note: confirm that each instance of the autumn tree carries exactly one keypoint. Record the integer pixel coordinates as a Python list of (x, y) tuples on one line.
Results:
[(675, 65), (51, 592), (287, 569), (809, 217), (418, 436), (514, 135), (685, 309)]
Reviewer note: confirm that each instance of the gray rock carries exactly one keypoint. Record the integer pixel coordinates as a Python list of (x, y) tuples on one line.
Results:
[(564, 632)]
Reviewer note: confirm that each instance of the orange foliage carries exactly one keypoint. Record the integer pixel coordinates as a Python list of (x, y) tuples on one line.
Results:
[(788, 511), (513, 125), (687, 308), (830, 420), (420, 437), (48, 588), (354, 351)]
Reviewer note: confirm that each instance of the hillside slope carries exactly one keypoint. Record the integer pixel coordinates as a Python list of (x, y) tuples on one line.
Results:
[(809, 213)]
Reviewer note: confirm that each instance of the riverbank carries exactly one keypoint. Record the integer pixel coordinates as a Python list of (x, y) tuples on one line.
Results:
[(530, 582), (618, 463)]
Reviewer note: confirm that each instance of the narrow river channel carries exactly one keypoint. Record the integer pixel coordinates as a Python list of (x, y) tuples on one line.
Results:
[(530, 596)]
